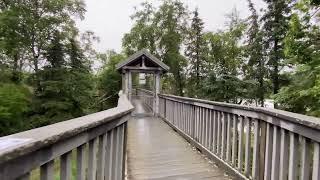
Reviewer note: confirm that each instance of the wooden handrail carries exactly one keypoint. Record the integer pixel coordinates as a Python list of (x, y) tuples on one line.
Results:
[(249, 142), (25, 151)]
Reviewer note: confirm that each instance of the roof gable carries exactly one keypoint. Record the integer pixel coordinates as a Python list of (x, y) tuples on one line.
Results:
[(149, 57)]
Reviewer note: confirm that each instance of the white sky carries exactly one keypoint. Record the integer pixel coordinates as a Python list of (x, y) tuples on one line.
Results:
[(110, 19)]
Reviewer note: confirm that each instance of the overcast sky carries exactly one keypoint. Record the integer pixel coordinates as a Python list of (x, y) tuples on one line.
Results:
[(110, 19)]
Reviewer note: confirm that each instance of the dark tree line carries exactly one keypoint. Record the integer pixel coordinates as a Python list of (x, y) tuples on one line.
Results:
[(46, 65), (46, 71)]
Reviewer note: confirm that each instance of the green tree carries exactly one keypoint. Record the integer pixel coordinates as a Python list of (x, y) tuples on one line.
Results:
[(195, 53), (27, 25), (256, 68), (14, 104), (109, 80), (275, 20), (143, 33), (52, 103), (171, 18), (81, 80), (225, 60), (302, 50)]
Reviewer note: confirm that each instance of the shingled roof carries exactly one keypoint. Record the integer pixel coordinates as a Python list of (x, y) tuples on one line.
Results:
[(139, 54)]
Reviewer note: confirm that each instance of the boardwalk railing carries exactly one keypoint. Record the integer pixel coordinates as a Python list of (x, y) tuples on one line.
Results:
[(98, 139), (249, 142), (146, 96)]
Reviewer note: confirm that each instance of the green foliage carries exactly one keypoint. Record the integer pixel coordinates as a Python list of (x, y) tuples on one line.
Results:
[(109, 80), (14, 103), (66, 84), (302, 50), (26, 26), (195, 53), (275, 19), (162, 31), (225, 61), (256, 67)]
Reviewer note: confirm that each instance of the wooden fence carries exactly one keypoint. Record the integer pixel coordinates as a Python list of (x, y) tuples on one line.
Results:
[(249, 142), (99, 141)]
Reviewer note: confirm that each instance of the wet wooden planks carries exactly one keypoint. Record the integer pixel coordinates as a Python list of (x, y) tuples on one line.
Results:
[(156, 152)]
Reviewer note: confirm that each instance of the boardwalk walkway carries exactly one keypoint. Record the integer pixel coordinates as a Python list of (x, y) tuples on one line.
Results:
[(156, 152)]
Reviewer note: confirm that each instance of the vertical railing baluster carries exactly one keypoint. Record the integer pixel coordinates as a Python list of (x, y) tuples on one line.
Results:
[(205, 125), (293, 159), (101, 156), (109, 149), (228, 155), (262, 148), (214, 140), (81, 166), (189, 119), (47, 171), (219, 133), (65, 166), (234, 139), (256, 145), (275, 153), (284, 153), (248, 147), (114, 146), (240, 145), (223, 134), (184, 118), (305, 160), (194, 121), (316, 161), (120, 152), (92, 159), (268, 153), (211, 130), (200, 124), (203, 130)]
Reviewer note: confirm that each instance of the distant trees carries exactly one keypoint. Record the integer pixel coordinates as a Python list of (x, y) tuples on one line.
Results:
[(195, 53), (109, 80), (225, 57), (163, 32), (46, 64), (272, 55), (275, 19), (302, 46), (45, 69)]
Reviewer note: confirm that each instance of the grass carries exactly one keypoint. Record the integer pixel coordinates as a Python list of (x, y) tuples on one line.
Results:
[(35, 174)]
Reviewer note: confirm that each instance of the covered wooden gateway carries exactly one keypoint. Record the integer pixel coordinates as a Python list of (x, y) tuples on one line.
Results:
[(142, 62)]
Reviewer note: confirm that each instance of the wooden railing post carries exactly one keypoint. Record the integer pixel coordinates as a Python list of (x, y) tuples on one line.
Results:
[(262, 147)]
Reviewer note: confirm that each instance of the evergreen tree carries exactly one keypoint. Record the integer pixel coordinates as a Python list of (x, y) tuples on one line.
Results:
[(52, 103), (81, 80), (225, 61), (195, 52), (256, 63), (275, 26)]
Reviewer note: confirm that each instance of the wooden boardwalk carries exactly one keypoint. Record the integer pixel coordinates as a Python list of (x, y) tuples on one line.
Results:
[(156, 152)]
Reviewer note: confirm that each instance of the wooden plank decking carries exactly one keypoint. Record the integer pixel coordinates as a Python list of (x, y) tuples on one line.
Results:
[(156, 152)]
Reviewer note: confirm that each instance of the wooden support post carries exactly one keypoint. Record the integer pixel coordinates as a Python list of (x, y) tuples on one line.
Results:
[(157, 92), (129, 92)]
